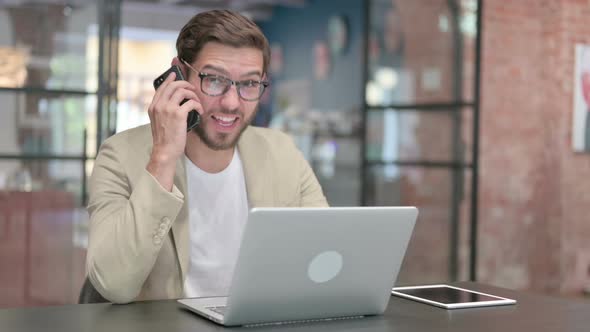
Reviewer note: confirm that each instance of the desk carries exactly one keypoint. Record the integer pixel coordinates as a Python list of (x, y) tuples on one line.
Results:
[(532, 313)]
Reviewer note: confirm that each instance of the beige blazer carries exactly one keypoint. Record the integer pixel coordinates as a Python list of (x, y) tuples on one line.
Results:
[(139, 238)]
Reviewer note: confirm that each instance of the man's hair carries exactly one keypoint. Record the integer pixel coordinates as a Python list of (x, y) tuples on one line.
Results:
[(224, 27)]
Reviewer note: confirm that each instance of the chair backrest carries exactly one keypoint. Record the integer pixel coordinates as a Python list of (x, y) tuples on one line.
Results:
[(89, 294)]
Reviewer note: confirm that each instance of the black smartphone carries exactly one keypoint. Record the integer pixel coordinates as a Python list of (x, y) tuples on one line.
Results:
[(193, 118)]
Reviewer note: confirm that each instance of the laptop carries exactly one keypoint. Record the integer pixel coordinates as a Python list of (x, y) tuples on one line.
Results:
[(307, 264)]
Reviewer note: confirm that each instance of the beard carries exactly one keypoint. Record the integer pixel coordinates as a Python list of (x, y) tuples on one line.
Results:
[(222, 141)]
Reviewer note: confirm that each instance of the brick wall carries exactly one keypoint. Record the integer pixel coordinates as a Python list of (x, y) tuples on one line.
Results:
[(534, 190), (429, 48), (428, 51)]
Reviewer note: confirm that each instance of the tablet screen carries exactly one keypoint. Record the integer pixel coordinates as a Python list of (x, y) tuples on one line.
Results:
[(447, 295)]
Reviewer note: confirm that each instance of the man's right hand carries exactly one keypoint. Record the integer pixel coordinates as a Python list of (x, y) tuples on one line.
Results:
[(168, 122)]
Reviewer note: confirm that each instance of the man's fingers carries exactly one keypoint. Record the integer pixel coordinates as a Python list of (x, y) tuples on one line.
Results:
[(160, 90), (170, 94), (190, 105), (171, 88), (182, 94)]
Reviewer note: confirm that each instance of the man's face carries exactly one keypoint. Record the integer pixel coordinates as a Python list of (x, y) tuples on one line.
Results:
[(225, 117)]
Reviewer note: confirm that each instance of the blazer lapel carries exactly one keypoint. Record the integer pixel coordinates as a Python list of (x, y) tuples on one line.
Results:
[(180, 228), (257, 170)]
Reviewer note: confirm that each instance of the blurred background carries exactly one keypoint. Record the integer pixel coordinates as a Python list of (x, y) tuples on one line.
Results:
[(463, 108)]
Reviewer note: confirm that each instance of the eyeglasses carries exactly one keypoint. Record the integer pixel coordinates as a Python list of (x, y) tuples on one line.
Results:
[(215, 85)]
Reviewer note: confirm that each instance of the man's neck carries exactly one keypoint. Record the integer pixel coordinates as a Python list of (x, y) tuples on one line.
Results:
[(210, 161)]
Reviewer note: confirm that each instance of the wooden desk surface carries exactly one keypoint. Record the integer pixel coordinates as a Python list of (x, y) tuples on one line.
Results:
[(532, 313)]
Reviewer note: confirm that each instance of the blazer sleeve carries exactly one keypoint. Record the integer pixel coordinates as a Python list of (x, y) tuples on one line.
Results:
[(129, 221)]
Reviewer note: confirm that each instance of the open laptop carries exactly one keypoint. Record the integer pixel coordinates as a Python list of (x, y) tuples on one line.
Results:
[(301, 264)]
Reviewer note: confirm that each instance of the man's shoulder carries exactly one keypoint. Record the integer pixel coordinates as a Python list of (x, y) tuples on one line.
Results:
[(273, 137), (271, 144), (135, 138)]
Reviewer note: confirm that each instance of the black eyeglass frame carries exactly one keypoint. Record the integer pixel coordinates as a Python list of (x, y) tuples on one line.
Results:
[(238, 84)]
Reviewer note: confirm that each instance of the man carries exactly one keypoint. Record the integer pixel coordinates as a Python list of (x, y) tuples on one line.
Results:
[(167, 208)]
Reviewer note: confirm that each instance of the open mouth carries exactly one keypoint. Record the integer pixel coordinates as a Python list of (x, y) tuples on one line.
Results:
[(225, 121)]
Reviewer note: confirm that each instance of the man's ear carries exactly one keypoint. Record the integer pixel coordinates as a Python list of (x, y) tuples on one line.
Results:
[(177, 62)]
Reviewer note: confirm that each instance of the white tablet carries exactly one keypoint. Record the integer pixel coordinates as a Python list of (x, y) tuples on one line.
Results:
[(450, 297)]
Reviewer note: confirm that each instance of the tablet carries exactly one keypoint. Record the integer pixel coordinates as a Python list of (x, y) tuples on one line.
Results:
[(450, 297)]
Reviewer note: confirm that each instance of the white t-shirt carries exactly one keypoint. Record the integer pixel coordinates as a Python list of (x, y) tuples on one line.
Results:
[(218, 210)]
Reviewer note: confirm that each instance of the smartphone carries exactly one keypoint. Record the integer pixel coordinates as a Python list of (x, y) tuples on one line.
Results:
[(193, 118)]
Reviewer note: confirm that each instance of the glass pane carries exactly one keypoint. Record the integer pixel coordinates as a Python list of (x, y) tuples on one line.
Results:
[(419, 136), (432, 191), (414, 61), (48, 45), (331, 143), (336, 163), (43, 232), (468, 26), (46, 124), (144, 54)]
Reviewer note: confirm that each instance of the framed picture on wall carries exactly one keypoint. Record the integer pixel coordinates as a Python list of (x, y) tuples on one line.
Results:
[(322, 61), (581, 112), (338, 32), (276, 59)]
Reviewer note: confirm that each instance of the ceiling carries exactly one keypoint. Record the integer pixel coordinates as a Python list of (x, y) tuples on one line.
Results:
[(258, 10), (255, 9)]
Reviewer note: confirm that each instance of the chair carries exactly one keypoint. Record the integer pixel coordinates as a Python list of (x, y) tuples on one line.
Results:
[(89, 294)]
